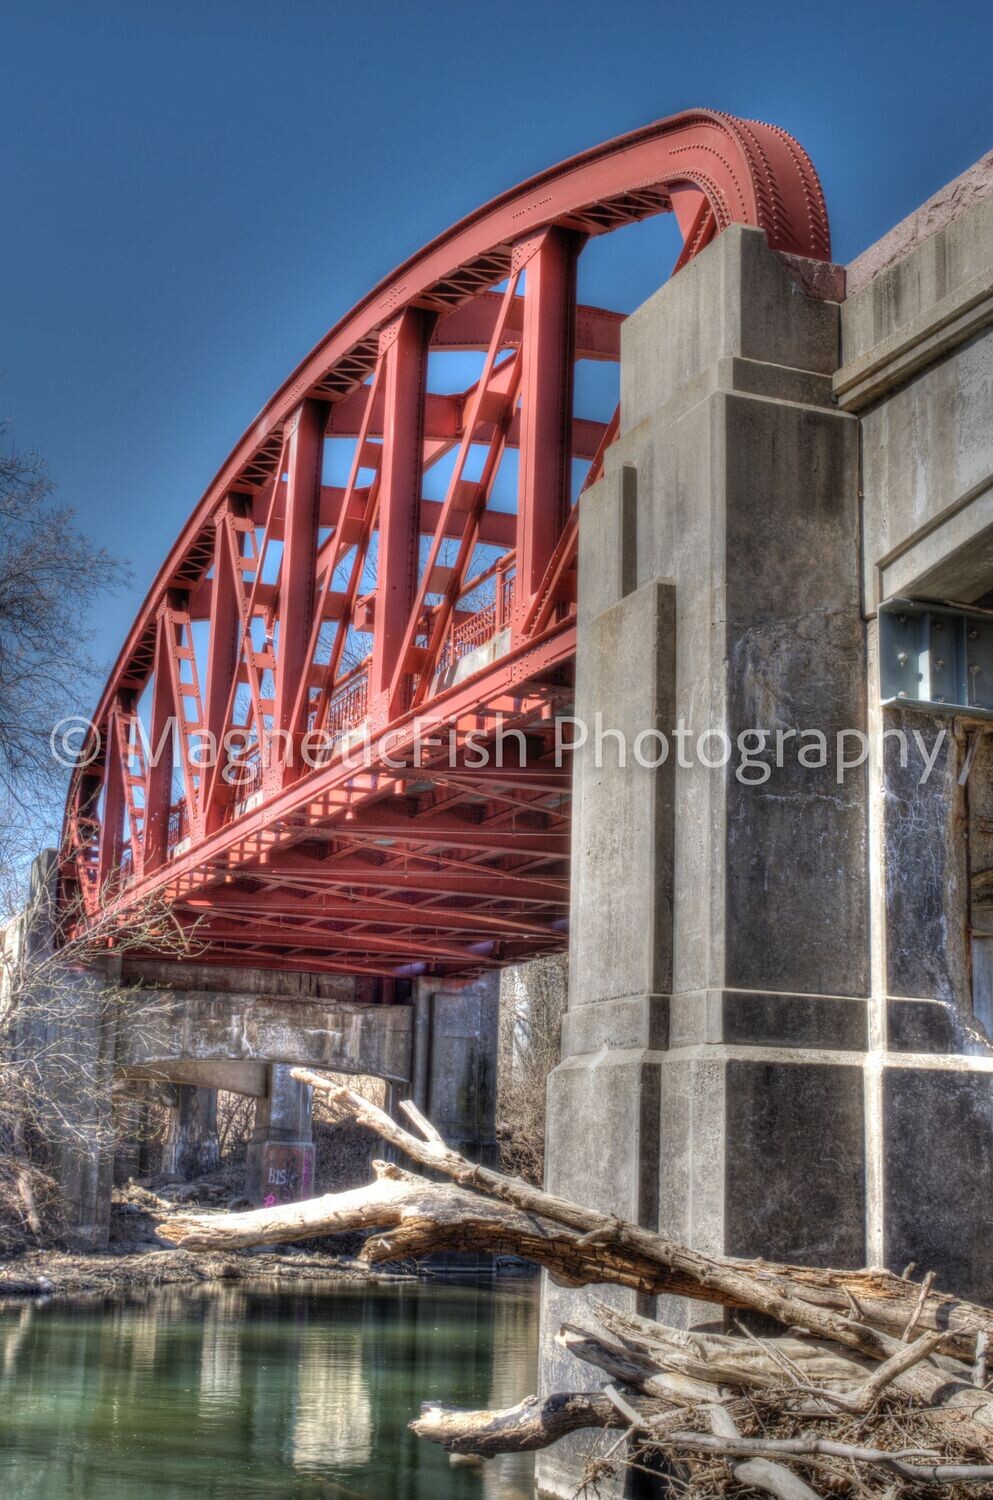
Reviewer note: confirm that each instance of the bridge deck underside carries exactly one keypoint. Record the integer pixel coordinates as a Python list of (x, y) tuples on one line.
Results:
[(456, 861)]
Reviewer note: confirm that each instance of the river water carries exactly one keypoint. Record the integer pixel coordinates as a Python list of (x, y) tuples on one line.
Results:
[(235, 1391)]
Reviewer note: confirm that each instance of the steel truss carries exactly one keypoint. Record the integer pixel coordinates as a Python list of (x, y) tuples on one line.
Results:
[(294, 614)]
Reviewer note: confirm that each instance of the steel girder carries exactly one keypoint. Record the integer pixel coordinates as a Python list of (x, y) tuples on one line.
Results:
[(292, 608)]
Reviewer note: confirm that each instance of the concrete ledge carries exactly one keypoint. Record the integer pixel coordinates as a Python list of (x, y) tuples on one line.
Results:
[(755, 1018), (745, 1018), (920, 342), (248, 1078), (629, 1022), (949, 557), (754, 377)]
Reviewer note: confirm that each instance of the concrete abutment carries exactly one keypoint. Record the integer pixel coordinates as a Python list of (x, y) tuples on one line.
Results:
[(766, 1011)]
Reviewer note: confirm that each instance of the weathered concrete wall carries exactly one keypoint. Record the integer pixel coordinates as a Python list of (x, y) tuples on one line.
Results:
[(718, 983), (206, 1026), (917, 351), (454, 1068)]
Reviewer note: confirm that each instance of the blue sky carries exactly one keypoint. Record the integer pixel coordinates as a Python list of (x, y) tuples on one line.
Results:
[(195, 192)]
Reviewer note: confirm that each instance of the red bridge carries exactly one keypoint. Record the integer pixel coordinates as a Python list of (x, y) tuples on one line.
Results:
[(296, 747)]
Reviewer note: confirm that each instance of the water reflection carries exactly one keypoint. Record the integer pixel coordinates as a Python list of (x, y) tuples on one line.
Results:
[(332, 1419), (220, 1348), (227, 1391)]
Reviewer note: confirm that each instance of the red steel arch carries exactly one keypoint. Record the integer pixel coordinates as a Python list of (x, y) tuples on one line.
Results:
[(295, 617)]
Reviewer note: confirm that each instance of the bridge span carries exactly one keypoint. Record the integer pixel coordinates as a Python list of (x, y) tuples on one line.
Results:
[(779, 1036), (296, 749)]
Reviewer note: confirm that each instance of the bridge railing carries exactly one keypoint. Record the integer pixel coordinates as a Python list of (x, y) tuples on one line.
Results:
[(469, 631), (179, 824), (349, 706)]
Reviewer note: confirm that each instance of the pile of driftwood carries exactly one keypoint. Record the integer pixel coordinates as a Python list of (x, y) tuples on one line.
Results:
[(877, 1386)]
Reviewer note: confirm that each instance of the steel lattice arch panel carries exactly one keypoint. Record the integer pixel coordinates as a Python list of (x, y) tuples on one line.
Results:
[(297, 615)]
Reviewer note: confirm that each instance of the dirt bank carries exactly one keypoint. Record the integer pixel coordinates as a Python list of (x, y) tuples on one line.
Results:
[(59, 1273), (136, 1259)]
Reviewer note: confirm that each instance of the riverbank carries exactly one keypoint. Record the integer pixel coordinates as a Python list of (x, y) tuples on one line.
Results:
[(61, 1273), (136, 1259)]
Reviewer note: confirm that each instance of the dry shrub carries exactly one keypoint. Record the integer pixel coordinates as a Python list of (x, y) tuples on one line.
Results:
[(235, 1124), (57, 1012), (344, 1149), (532, 1000)]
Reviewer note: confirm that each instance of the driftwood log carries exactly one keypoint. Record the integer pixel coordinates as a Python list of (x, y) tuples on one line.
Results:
[(532, 1423), (862, 1334), (579, 1246)]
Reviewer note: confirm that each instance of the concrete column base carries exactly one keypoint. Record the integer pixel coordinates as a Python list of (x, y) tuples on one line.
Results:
[(934, 1143), (279, 1164), (191, 1147), (454, 1062), (602, 1137), (751, 1124), (279, 1172)]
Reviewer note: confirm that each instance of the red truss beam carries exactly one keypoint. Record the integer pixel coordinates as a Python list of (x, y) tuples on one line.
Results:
[(295, 615)]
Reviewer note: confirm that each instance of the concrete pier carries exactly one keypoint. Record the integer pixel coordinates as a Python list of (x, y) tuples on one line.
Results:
[(769, 1006), (453, 1068), (279, 1166), (191, 1147)]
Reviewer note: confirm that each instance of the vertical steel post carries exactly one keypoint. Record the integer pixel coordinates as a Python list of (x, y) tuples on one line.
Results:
[(158, 781), (222, 659), (112, 821), (399, 498), (546, 408), (297, 582)]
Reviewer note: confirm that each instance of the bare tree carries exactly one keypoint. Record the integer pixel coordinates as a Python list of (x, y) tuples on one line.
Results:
[(58, 1012), (50, 574), (532, 999)]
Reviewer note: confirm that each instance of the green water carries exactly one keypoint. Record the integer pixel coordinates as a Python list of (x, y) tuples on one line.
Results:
[(228, 1391)]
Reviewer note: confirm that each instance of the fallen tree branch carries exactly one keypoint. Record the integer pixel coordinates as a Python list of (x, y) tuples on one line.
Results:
[(760, 1473), (885, 1302), (579, 1245), (670, 1385), (865, 1398), (749, 1363), (416, 1218), (771, 1290), (811, 1447), (533, 1423)]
